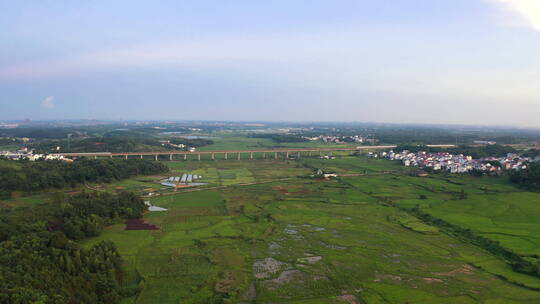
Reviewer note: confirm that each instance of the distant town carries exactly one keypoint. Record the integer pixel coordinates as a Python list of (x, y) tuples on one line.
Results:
[(444, 161)]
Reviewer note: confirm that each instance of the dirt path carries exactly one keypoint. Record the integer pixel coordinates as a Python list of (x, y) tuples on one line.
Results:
[(92, 188)]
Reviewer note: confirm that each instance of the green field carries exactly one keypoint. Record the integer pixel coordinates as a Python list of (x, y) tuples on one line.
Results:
[(264, 232)]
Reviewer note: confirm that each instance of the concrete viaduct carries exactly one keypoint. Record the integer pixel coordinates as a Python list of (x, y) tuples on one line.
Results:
[(231, 154)]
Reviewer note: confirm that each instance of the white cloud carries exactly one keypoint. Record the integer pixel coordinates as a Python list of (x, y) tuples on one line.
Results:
[(529, 10), (48, 103)]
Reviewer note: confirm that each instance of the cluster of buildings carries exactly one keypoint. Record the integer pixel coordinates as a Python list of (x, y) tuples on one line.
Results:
[(169, 143), (340, 139), (30, 155), (444, 161), (512, 161), (178, 146)]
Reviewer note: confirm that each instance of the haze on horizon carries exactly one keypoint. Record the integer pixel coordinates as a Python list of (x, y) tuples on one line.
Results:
[(417, 61)]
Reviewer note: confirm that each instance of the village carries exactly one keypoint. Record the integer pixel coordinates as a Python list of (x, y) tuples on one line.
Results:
[(28, 154), (444, 161)]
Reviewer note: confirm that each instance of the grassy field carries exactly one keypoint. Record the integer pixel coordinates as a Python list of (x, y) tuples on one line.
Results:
[(259, 238), (511, 218)]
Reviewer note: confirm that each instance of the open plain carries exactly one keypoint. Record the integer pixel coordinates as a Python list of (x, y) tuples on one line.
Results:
[(266, 231)]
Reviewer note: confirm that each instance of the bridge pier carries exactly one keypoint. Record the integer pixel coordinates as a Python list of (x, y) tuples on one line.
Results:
[(309, 154), (251, 155), (155, 157), (239, 155), (141, 156), (170, 156), (95, 156), (275, 155), (264, 154), (298, 155), (185, 156), (213, 156), (199, 156), (125, 156), (225, 155), (287, 155)]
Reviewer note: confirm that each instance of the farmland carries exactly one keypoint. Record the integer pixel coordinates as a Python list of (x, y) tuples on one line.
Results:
[(264, 232)]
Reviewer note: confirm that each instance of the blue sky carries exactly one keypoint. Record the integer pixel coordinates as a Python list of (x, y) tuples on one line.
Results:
[(422, 61)]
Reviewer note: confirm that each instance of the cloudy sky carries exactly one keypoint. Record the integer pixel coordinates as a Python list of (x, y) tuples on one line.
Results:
[(425, 61)]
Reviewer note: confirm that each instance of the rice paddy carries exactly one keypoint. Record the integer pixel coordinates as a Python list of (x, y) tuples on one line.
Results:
[(263, 231)]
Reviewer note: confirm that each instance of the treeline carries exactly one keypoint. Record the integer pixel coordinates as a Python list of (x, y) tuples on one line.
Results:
[(527, 178), (430, 134), (100, 144), (40, 262), (281, 138), (474, 151), (10, 141), (42, 132), (517, 262), (114, 144), (531, 153), (483, 151), (413, 148), (31, 176), (452, 135)]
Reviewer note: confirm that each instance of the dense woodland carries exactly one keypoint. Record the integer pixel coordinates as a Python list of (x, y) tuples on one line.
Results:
[(40, 262), (531, 153), (114, 144), (528, 178), (31, 176), (428, 134), (10, 141)]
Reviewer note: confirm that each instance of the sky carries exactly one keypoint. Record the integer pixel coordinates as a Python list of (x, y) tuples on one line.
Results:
[(401, 61)]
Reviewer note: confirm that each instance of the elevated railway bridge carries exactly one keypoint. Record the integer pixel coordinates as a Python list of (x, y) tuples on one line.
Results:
[(234, 154)]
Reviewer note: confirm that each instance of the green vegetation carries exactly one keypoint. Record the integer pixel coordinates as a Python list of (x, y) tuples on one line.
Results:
[(40, 261), (528, 178), (226, 141), (280, 138), (483, 151), (32, 176), (374, 235), (230, 142), (265, 230), (474, 151), (531, 153), (434, 134), (115, 143), (517, 262)]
